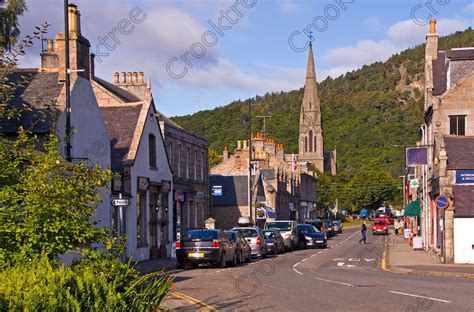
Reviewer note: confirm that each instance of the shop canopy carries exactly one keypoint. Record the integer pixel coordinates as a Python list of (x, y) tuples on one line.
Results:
[(413, 209), (266, 213)]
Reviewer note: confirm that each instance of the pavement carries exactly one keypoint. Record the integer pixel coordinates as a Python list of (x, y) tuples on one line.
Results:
[(346, 276), (149, 266), (403, 259)]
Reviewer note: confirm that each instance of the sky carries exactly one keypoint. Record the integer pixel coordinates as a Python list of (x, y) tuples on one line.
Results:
[(201, 54)]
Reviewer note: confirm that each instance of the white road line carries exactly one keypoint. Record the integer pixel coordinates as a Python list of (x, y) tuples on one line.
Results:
[(354, 259), (417, 296), (297, 271), (350, 266), (304, 259), (335, 282), (339, 259), (340, 263)]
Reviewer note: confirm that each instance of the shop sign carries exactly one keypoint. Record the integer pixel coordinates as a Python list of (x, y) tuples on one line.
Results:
[(464, 176)]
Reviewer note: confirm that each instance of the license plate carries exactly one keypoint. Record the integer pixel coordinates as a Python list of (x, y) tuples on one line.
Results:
[(319, 241), (195, 254)]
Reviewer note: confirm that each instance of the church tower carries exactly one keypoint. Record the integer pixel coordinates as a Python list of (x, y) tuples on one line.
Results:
[(311, 132)]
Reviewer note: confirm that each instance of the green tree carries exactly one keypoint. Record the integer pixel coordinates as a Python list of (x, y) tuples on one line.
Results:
[(214, 158), (10, 11)]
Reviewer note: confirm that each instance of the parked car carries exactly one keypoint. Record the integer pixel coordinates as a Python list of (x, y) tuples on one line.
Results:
[(327, 228), (380, 226), (337, 226), (274, 240), (313, 237), (254, 237), (244, 251), (317, 223), (287, 229), (205, 246)]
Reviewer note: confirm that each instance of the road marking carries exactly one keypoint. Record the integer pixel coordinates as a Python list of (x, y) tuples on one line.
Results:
[(354, 259), (304, 259), (340, 263), (194, 301), (339, 259), (350, 266), (335, 282), (418, 296), (369, 260), (297, 271)]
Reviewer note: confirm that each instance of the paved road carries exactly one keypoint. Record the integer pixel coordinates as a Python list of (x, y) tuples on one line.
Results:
[(344, 277)]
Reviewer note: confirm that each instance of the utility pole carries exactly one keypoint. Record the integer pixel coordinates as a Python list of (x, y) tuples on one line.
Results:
[(250, 165), (264, 119), (68, 96)]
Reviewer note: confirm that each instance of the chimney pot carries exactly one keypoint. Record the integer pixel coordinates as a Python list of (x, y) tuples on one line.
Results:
[(116, 78), (140, 77), (432, 26), (239, 144), (244, 144), (226, 149), (129, 77), (135, 77), (124, 77), (50, 45), (73, 18)]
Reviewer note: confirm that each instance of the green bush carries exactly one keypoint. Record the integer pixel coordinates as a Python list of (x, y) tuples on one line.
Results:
[(97, 283)]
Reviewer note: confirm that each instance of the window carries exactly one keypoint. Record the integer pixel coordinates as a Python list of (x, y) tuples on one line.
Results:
[(188, 151), (195, 164), (315, 146), (306, 144), (152, 150), (170, 153), (141, 219), (457, 124), (310, 140)]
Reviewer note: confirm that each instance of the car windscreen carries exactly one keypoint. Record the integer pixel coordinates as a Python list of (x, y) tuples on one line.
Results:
[(202, 234), (282, 226), (269, 234), (380, 223), (248, 232), (307, 229)]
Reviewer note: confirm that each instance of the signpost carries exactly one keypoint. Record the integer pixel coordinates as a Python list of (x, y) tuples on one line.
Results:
[(120, 202), (442, 202)]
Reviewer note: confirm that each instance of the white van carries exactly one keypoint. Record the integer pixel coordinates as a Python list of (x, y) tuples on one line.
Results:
[(287, 229)]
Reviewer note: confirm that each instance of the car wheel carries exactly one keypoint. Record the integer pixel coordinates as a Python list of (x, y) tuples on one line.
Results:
[(180, 265), (249, 259), (264, 255), (234, 259), (239, 257), (221, 263)]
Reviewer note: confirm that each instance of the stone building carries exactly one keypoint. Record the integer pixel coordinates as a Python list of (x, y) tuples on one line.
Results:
[(448, 135), (188, 156)]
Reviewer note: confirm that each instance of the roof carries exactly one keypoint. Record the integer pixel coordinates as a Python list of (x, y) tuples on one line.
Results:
[(463, 199), (168, 121), (234, 190), (38, 92), (440, 69), (458, 54), (120, 122), (460, 151), (123, 94)]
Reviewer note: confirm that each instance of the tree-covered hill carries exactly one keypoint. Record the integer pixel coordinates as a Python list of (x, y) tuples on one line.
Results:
[(365, 112)]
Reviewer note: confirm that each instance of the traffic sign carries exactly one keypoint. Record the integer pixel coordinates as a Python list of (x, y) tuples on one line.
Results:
[(120, 202), (442, 202)]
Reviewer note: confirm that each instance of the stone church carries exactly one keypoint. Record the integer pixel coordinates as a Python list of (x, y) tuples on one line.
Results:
[(281, 184)]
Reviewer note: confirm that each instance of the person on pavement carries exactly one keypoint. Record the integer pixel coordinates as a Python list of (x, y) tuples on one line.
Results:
[(363, 231)]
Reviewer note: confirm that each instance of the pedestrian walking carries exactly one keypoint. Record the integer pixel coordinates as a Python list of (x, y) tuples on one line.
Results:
[(363, 231)]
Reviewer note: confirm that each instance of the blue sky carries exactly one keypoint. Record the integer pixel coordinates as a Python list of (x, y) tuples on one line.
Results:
[(253, 56)]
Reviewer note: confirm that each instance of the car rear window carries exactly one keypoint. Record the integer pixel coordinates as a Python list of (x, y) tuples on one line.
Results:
[(202, 234), (282, 226), (269, 234), (248, 232), (232, 235)]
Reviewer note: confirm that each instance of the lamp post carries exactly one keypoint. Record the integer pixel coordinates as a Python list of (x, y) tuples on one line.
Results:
[(67, 82), (249, 180)]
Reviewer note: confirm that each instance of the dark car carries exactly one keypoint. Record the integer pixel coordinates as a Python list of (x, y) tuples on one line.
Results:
[(313, 237), (337, 226), (326, 228), (274, 240), (244, 251), (317, 223), (205, 246)]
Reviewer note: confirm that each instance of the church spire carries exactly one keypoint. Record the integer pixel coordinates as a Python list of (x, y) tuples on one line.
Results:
[(311, 133)]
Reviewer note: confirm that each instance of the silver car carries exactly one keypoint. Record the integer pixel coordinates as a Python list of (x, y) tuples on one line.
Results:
[(254, 237), (287, 229)]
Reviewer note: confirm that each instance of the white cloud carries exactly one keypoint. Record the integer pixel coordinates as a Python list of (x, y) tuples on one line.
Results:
[(400, 35)]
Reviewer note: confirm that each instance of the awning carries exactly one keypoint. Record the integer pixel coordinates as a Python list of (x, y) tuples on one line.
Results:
[(413, 209), (266, 213)]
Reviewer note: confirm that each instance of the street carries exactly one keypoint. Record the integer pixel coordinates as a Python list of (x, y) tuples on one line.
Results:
[(345, 276)]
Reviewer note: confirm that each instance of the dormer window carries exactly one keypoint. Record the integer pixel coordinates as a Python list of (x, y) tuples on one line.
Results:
[(152, 151)]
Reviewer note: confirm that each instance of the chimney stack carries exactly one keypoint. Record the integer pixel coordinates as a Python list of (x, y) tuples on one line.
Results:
[(116, 78), (49, 58), (432, 42), (225, 154)]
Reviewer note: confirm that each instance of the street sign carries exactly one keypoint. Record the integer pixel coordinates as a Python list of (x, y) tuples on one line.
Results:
[(414, 183), (120, 202), (217, 190), (464, 176), (442, 202)]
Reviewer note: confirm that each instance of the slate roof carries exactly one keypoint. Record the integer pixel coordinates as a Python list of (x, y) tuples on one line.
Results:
[(440, 69), (120, 122), (39, 91), (461, 54), (234, 190), (460, 150), (463, 199)]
